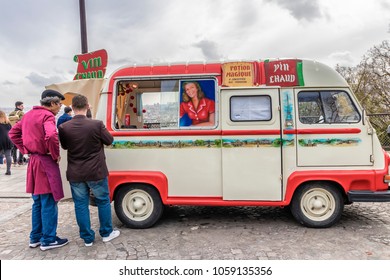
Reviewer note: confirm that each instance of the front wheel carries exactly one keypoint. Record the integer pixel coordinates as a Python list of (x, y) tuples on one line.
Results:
[(138, 206), (317, 205)]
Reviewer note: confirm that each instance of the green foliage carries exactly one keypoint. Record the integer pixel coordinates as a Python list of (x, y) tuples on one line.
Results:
[(276, 143), (218, 143), (199, 143)]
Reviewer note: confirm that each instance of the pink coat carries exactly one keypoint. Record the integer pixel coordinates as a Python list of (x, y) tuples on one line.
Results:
[(36, 134)]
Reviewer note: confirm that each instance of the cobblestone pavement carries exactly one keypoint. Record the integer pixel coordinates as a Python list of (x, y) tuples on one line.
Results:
[(197, 233)]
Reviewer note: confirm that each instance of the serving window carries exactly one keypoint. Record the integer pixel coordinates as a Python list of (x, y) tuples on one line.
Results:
[(165, 104)]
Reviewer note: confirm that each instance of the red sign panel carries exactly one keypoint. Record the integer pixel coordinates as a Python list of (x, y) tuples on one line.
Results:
[(282, 73), (91, 65)]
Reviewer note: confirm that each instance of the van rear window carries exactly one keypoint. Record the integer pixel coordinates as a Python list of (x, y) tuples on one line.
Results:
[(250, 108)]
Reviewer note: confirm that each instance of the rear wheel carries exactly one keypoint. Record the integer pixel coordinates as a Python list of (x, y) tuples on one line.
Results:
[(317, 205), (138, 206)]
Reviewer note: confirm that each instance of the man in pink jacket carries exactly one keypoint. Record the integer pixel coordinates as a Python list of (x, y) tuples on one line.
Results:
[(36, 135)]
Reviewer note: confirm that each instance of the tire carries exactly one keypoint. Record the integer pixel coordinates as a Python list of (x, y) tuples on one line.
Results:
[(317, 205), (138, 206)]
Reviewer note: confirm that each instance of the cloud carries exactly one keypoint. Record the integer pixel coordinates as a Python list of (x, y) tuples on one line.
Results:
[(7, 83), (41, 81), (300, 9), (39, 38), (385, 4), (246, 14), (343, 57), (209, 49)]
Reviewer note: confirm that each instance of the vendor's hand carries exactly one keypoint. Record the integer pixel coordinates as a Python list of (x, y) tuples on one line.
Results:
[(58, 160)]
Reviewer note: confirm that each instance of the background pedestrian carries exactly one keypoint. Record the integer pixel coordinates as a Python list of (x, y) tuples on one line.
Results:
[(5, 143)]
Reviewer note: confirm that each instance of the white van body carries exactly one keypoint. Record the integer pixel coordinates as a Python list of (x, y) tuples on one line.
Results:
[(285, 133)]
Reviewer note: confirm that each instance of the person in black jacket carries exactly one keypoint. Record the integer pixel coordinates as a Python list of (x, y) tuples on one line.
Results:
[(15, 116), (5, 143), (84, 139), (67, 116)]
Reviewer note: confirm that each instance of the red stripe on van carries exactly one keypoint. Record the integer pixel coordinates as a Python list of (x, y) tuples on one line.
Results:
[(194, 132), (218, 201), (167, 133), (251, 132), (323, 131), (234, 132)]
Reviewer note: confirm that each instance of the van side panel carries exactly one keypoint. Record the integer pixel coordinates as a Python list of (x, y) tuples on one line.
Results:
[(189, 171), (251, 150)]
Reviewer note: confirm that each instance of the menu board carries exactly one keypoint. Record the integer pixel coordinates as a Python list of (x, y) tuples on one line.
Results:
[(237, 74)]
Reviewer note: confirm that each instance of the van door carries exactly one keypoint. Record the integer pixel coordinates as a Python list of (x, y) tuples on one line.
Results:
[(251, 144), (330, 130)]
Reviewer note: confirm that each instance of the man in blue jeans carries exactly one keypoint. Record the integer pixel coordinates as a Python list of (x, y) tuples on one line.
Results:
[(36, 134), (84, 138)]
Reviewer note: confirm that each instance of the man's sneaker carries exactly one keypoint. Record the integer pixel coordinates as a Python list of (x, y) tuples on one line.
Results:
[(34, 244), (114, 234), (56, 244), (88, 244)]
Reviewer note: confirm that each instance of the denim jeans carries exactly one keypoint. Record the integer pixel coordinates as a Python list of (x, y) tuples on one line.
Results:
[(80, 194), (44, 219)]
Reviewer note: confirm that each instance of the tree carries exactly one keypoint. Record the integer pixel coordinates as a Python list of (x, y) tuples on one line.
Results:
[(370, 80)]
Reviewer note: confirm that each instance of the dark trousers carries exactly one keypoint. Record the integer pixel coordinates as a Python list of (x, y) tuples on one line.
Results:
[(15, 157)]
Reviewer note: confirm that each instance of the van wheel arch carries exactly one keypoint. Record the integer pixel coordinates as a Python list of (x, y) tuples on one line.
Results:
[(318, 204), (138, 205)]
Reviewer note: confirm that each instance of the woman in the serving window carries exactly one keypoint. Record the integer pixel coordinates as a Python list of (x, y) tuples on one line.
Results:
[(199, 109)]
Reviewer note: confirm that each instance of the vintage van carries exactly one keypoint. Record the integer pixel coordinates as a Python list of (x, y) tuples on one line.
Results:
[(285, 133)]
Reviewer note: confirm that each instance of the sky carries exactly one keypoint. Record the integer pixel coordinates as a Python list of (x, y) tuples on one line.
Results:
[(39, 38)]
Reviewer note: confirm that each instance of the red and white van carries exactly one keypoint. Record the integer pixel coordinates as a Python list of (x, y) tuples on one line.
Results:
[(276, 133)]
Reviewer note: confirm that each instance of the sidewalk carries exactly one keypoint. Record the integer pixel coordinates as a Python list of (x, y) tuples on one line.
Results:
[(14, 185), (14, 199)]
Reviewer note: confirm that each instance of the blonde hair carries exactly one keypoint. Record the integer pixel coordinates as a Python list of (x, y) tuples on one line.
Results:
[(4, 118), (185, 96)]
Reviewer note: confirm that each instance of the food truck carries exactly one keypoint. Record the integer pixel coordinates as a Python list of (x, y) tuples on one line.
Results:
[(283, 132)]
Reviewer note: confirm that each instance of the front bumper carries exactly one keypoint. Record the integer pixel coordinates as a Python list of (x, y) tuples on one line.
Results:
[(367, 196)]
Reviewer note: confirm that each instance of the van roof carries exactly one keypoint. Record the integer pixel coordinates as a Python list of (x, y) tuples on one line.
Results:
[(269, 72)]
